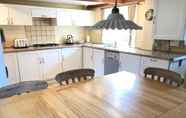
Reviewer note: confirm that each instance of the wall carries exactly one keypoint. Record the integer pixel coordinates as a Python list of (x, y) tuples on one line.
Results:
[(14, 32)]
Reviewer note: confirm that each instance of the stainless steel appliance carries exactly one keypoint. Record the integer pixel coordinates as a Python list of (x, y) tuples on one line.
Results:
[(111, 62), (69, 39), (21, 43), (3, 78)]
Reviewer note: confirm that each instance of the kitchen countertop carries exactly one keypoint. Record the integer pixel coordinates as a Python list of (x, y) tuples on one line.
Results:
[(119, 95), (127, 50)]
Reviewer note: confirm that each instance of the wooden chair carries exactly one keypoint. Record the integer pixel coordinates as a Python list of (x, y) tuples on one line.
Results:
[(173, 77), (19, 88), (74, 75)]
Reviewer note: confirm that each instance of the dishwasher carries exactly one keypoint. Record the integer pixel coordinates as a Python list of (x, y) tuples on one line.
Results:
[(111, 63)]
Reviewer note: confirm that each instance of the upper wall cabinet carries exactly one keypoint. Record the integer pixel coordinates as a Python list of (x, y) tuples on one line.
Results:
[(44, 12), (69, 17), (15, 15), (169, 19)]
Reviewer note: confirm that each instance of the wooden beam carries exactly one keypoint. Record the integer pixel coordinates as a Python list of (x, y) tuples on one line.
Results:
[(110, 4)]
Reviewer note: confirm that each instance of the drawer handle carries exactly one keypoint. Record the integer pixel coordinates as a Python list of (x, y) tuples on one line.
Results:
[(7, 73), (153, 60)]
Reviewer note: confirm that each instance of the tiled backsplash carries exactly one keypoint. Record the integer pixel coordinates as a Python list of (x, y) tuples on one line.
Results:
[(42, 31)]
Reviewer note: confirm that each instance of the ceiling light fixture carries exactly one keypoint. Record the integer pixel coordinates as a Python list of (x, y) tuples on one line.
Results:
[(116, 21)]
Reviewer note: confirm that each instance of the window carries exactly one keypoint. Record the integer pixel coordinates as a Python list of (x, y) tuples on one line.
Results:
[(120, 37)]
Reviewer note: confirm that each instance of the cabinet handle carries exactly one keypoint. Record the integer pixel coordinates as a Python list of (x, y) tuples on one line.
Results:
[(153, 60), (154, 20), (7, 73)]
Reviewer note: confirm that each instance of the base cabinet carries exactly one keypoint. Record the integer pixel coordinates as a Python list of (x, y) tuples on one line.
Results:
[(94, 58), (71, 58), (39, 65), (11, 64), (88, 58), (51, 65), (153, 62), (29, 66), (129, 63)]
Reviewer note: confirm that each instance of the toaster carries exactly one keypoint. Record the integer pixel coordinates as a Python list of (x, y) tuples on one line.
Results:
[(21, 43)]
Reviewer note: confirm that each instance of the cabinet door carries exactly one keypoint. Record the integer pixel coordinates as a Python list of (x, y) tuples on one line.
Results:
[(12, 68), (30, 66), (86, 19), (44, 12), (50, 63), (88, 57), (71, 58), (20, 15), (64, 17), (4, 19), (98, 57), (169, 20), (153, 62), (129, 63)]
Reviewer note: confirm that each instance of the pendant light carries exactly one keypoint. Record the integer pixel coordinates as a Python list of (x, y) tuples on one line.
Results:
[(116, 21)]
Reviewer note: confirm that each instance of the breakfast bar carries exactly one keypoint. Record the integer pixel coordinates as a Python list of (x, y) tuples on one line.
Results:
[(119, 95)]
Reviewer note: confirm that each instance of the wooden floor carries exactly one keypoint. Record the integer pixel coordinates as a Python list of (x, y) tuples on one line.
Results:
[(121, 95)]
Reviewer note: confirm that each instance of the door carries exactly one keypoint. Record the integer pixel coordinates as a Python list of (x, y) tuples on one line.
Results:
[(29, 66), (50, 63), (12, 68), (20, 15), (169, 19), (88, 57), (98, 57), (129, 63), (71, 58), (4, 12)]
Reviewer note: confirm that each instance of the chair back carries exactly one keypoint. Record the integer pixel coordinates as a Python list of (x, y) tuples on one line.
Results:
[(19, 88), (167, 75), (74, 75)]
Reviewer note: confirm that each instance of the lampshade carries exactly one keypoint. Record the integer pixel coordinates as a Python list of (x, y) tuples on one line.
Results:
[(116, 21)]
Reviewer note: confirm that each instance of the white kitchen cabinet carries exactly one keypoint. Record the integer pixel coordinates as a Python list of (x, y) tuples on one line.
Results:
[(153, 62), (39, 65), (71, 58), (64, 18), (15, 15), (169, 19), (43, 12), (94, 59), (130, 63), (30, 66), (20, 15), (51, 65), (12, 68), (98, 57), (88, 58), (69, 17), (4, 12), (82, 18)]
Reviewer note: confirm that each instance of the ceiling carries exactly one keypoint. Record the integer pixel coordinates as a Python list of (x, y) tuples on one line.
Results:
[(73, 2)]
